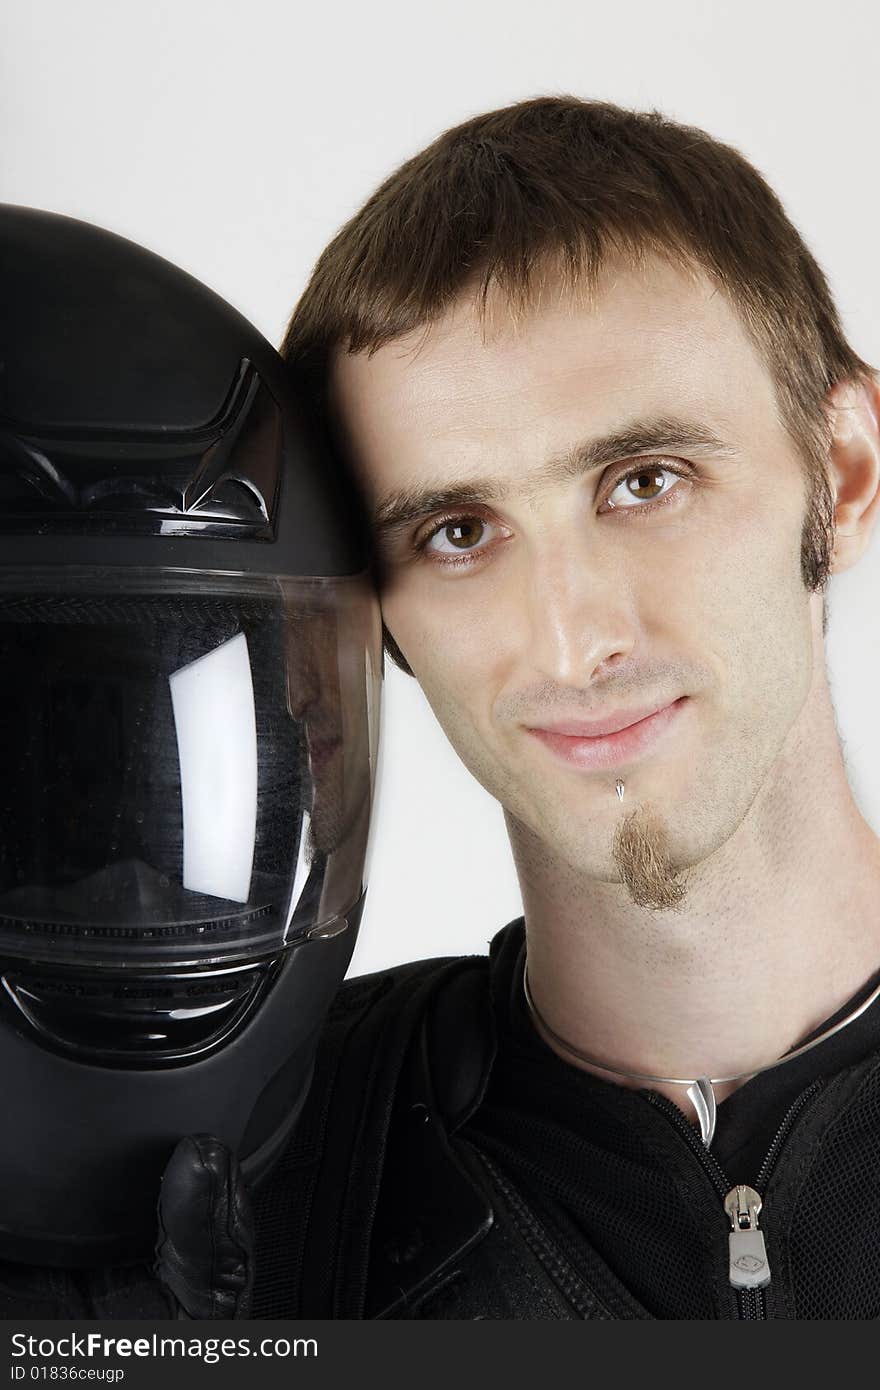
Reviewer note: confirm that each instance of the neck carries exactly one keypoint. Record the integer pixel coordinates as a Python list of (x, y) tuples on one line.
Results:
[(778, 928)]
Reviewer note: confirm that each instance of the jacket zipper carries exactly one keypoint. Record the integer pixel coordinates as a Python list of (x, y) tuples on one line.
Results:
[(742, 1204)]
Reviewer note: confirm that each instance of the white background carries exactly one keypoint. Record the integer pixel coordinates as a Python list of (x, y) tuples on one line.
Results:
[(236, 138)]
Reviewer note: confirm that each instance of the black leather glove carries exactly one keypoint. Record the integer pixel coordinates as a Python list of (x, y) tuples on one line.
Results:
[(205, 1249)]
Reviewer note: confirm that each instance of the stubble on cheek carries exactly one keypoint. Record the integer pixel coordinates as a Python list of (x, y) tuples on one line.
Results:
[(641, 853)]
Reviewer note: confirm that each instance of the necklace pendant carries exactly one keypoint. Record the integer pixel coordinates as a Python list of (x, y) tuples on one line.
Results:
[(702, 1098), (618, 787)]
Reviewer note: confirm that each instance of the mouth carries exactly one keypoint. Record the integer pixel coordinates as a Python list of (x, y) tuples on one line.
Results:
[(610, 749)]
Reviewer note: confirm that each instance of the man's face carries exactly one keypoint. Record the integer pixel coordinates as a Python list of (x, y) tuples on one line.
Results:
[(329, 680), (533, 601)]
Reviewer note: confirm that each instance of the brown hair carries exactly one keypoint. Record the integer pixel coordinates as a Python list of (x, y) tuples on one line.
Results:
[(566, 181)]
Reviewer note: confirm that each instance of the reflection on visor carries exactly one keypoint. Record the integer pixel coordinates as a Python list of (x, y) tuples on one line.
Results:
[(212, 696)]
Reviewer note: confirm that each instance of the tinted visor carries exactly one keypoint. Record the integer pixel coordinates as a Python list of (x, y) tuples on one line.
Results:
[(188, 762)]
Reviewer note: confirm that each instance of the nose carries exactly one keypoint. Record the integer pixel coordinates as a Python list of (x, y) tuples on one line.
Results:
[(578, 613)]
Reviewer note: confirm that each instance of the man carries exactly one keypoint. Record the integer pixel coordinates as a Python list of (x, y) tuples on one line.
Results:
[(614, 443)]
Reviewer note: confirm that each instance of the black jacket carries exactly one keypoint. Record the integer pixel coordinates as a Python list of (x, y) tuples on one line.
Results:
[(451, 1166)]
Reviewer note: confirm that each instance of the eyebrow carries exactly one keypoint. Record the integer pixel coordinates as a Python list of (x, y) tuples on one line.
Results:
[(661, 435)]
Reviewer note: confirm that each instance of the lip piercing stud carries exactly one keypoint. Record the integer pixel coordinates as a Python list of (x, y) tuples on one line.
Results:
[(618, 787)]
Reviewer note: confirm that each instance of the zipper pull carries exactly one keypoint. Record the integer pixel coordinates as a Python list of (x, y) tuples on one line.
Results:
[(748, 1254)]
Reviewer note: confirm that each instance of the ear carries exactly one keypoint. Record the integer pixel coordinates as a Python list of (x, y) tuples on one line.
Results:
[(854, 467)]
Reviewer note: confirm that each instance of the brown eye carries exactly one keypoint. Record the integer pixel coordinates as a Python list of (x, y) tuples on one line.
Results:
[(640, 483), (460, 542), (644, 485), (464, 533)]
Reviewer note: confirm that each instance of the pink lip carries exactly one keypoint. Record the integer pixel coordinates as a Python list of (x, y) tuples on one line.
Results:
[(613, 722), (606, 749)]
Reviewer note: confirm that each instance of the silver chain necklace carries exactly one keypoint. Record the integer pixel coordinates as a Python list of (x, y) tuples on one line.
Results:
[(700, 1089)]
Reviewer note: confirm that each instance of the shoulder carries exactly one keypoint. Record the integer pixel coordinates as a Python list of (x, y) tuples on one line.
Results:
[(405, 972), (361, 994), (402, 1060), (446, 1001), (377, 1019)]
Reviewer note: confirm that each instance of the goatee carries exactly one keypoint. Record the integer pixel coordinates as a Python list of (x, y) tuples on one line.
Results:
[(641, 852)]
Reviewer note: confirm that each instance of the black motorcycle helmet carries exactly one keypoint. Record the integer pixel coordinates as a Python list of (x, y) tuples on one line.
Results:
[(190, 650)]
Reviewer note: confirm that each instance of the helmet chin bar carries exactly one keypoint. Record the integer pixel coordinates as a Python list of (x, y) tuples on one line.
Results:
[(89, 1140), (138, 1018)]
